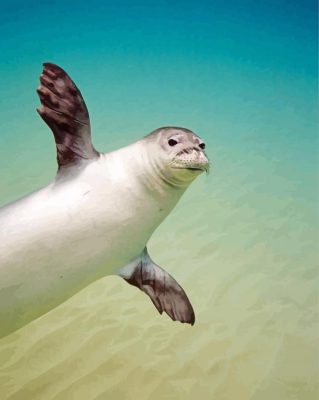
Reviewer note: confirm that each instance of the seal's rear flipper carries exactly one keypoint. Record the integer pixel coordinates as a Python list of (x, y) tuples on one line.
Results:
[(64, 110), (165, 293)]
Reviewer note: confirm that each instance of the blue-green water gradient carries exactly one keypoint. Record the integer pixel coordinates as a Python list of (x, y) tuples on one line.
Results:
[(243, 241)]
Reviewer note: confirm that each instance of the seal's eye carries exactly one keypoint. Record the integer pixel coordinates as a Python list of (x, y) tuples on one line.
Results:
[(202, 146), (172, 142)]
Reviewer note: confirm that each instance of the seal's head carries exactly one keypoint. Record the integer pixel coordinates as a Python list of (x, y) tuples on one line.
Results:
[(177, 154)]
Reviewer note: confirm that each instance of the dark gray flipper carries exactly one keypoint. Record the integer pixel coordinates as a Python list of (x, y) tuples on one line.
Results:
[(64, 110), (165, 293)]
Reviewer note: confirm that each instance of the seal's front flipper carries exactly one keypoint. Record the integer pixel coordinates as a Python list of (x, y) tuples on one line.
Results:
[(166, 294), (64, 110)]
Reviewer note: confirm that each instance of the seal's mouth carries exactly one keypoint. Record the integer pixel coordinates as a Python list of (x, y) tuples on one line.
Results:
[(202, 169), (190, 168)]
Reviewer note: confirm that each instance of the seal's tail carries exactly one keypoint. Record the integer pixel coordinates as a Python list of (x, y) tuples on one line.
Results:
[(65, 112)]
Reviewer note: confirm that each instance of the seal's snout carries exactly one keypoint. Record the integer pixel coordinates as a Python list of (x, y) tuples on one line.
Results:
[(202, 161), (192, 158)]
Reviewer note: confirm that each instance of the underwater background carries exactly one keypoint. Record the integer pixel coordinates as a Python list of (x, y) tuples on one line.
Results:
[(243, 241)]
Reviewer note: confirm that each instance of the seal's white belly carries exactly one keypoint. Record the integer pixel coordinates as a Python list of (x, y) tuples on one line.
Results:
[(56, 241)]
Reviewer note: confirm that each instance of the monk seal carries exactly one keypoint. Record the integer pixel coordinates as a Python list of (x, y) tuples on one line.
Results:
[(96, 217)]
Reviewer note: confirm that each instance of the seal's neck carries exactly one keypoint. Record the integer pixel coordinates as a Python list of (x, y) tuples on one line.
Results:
[(148, 174), (152, 173)]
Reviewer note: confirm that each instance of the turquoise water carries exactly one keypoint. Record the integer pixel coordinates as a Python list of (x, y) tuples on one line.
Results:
[(242, 241)]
